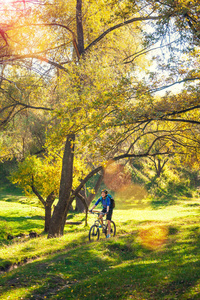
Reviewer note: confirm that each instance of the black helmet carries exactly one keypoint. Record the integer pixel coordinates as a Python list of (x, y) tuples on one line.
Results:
[(104, 191)]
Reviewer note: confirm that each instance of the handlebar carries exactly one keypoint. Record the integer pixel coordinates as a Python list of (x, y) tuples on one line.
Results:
[(97, 212)]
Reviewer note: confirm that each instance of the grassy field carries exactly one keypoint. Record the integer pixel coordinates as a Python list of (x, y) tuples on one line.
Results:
[(155, 255)]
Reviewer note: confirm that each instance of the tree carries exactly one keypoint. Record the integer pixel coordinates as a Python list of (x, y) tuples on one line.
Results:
[(117, 109), (39, 177)]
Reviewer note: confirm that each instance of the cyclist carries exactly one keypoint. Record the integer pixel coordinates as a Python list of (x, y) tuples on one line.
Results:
[(105, 199)]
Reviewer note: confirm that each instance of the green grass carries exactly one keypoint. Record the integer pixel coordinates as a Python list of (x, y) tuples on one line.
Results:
[(18, 218), (155, 255)]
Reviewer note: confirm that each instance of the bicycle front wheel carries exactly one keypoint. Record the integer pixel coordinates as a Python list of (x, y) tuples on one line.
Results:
[(112, 229), (94, 233)]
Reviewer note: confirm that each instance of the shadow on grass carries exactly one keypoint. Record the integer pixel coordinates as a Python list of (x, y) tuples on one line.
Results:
[(118, 268), (21, 219), (132, 204), (9, 189), (20, 199), (23, 224), (159, 203)]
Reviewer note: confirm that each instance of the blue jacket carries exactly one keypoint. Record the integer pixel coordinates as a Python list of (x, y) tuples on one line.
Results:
[(105, 202)]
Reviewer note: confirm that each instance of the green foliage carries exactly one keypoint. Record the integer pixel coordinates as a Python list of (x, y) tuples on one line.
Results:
[(174, 182), (40, 172), (172, 185)]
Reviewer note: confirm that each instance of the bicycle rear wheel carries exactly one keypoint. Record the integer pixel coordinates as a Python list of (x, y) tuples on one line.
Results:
[(112, 230), (94, 233)]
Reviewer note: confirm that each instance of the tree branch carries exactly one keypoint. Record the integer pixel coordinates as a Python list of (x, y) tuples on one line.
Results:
[(35, 191), (181, 120), (18, 57), (83, 182), (182, 111), (137, 19), (177, 82)]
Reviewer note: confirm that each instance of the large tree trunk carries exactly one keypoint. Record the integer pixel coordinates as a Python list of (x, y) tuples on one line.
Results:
[(85, 205), (60, 212), (79, 27), (80, 207), (48, 205), (47, 218)]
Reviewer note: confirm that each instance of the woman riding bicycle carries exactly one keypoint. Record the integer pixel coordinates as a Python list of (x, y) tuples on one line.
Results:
[(105, 199)]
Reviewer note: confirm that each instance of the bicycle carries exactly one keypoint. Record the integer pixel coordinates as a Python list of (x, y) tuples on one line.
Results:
[(94, 231)]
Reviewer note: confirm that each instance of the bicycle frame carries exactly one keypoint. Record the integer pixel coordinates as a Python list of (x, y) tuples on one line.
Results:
[(94, 231), (98, 222)]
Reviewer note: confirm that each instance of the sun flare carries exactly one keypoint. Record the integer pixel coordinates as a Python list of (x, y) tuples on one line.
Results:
[(153, 237)]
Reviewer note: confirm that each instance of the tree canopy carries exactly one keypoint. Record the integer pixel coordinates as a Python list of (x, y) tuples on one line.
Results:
[(86, 80)]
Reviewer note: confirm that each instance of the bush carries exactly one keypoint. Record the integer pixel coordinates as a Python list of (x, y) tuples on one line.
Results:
[(170, 186)]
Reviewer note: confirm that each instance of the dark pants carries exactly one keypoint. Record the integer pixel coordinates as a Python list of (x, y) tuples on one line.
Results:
[(109, 215)]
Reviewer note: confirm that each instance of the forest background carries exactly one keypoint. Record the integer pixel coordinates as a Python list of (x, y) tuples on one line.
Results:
[(81, 102)]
